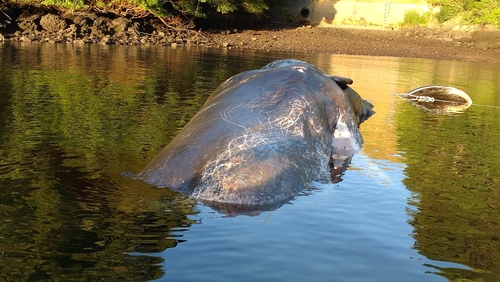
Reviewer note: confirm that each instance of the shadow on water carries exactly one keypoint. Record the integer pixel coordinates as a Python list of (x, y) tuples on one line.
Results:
[(74, 118)]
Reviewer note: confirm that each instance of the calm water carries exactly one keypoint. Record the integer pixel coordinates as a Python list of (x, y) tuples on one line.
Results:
[(421, 201)]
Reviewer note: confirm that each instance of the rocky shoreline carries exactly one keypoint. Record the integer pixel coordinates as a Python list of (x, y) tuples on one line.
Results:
[(91, 27)]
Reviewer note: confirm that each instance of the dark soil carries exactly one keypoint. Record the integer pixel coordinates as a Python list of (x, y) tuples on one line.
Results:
[(35, 25), (440, 44)]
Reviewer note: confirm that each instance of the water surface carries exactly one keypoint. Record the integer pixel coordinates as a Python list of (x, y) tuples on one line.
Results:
[(420, 202)]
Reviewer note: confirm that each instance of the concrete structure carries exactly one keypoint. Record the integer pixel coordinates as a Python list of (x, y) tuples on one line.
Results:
[(328, 12)]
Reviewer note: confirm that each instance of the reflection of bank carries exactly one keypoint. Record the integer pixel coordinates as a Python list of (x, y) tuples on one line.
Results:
[(327, 12), (72, 118), (453, 178), (452, 171), (450, 162)]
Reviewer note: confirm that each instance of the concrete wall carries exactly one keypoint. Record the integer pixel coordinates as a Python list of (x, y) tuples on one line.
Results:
[(329, 12)]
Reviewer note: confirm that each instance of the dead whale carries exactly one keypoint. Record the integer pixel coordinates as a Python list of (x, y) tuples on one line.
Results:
[(263, 136)]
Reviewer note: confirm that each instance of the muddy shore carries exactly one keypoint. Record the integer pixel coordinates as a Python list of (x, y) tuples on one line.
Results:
[(89, 27), (439, 44)]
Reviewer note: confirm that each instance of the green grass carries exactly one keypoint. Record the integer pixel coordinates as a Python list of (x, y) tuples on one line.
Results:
[(414, 18)]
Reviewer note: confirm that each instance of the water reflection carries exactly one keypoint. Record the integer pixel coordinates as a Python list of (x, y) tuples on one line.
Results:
[(452, 165), (74, 118), (451, 162)]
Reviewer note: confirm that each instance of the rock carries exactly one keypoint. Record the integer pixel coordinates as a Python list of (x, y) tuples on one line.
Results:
[(52, 22), (27, 16), (27, 25), (25, 39), (120, 24), (133, 32), (106, 41), (101, 26), (71, 30), (80, 20)]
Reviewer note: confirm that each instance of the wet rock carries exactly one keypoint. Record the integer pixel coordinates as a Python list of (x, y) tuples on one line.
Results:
[(120, 24), (24, 39), (52, 22), (107, 40)]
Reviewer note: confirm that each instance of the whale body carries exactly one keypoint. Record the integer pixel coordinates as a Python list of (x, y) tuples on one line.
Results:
[(263, 136)]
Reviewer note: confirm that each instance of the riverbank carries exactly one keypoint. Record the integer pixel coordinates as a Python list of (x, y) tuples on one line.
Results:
[(439, 44), (90, 27)]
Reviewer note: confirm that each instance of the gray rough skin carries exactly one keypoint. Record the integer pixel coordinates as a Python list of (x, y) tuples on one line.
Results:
[(263, 136)]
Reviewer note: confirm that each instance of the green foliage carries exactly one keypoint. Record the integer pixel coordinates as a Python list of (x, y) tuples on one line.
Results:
[(154, 6), (161, 8), (472, 11), (193, 7), (188, 7), (414, 18), (447, 13), (68, 4), (255, 7), (485, 12), (223, 6)]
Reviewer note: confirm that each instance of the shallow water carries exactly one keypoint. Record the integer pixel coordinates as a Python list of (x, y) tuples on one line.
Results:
[(421, 201)]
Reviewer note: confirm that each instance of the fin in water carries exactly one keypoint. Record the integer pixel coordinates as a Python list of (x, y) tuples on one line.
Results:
[(438, 99)]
